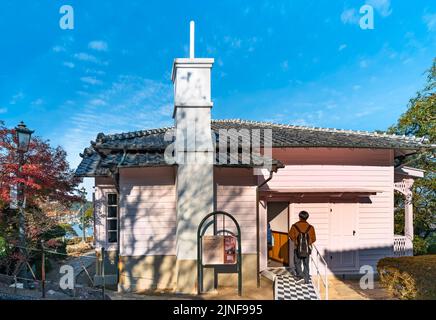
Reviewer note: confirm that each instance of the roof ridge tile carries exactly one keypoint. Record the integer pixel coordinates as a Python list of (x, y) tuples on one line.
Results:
[(101, 137), (361, 132)]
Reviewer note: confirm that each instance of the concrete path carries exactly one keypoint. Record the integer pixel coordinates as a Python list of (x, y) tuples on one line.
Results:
[(85, 260)]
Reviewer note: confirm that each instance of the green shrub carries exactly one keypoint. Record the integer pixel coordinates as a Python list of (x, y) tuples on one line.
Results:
[(419, 246), (57, 231), (431, 248), (3, 247), (68, 229), (409, 277), (431, 243)]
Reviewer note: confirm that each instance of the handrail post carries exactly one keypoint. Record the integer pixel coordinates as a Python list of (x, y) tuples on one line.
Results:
[(319, 273), (102, 273), (326, 283)]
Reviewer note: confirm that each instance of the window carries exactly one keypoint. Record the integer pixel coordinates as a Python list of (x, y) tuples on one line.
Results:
[(112, 218)]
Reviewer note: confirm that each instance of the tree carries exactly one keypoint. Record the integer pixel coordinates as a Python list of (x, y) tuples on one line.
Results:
[(47, 179), (46, 174), (87, 218), (420, 120)]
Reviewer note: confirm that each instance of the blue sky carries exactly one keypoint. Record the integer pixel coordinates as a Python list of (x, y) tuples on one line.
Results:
[(299, 62)]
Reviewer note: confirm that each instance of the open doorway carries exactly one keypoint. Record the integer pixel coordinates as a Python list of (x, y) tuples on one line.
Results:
[(278, 222)]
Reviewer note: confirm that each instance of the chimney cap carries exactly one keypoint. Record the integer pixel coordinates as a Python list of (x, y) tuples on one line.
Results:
[(192, 39)]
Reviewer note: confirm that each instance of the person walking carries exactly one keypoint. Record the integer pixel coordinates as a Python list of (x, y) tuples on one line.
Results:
[(269, 241), (303, 236)]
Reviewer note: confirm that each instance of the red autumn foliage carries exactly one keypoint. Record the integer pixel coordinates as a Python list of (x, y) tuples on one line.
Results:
[(46, 174)]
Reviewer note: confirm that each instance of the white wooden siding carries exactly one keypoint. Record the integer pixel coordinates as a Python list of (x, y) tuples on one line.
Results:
[(148, 211), (339, 168), (240, 201)]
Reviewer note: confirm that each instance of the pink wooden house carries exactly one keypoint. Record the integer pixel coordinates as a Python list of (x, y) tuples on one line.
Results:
[(147, 209)]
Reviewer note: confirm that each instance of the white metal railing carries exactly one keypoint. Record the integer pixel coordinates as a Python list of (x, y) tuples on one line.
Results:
[(321, 276), (403, 246)]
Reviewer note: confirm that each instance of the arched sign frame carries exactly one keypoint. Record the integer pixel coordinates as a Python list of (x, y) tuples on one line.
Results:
[(201, 232)]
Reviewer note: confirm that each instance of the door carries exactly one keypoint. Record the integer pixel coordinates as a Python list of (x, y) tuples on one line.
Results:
[(278, 220), (343, 248)]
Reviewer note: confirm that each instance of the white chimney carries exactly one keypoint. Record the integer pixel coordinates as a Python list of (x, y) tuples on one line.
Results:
[(194, 153)]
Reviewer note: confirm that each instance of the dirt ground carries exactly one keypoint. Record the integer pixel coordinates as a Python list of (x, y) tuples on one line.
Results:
[(83, 286), (265, 292), (339, 289), (350, 290)]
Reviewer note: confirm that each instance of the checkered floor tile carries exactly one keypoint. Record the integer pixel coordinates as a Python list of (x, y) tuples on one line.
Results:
[(285, 287)]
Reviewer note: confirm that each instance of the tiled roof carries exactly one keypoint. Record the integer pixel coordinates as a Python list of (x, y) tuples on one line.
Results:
[(301, 136), (146, 147)]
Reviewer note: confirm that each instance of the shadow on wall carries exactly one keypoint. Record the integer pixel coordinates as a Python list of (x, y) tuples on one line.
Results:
[(350, 263), (148, 222)]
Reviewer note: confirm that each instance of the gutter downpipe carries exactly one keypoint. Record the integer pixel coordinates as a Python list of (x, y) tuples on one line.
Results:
[(258, 223), (117, 183)]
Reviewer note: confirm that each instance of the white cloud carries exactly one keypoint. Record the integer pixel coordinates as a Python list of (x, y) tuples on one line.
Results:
[(91, 80), (37, 102), (166, 109), (350, 16), (299, 122), (210, 49), (233, 42), (94, 71), (83, 56), (381, 6), (411, 41), (69, 64), (407, 60), (363, 63), (249, 44), (430, 21), (3, 110), (368, 110), (17, 97), (342, 47), (222, 74), (252, 43), (362, 114), (98, 45), (58, 49), (284, 65), (136, 103), (97, 102)]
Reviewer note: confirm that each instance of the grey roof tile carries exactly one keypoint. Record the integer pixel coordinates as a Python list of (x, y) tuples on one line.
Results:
[(145, 147)]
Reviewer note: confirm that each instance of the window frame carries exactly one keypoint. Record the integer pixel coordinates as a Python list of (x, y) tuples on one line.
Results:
[(111, 231)]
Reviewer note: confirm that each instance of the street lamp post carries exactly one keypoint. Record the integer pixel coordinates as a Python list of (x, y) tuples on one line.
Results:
[(22, 135)]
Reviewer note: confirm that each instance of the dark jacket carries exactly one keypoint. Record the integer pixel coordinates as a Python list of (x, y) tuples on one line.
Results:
[(269, 235)]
